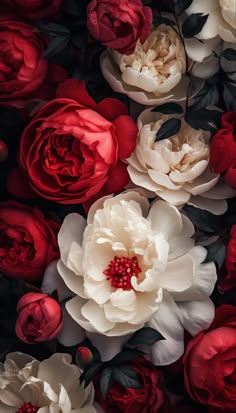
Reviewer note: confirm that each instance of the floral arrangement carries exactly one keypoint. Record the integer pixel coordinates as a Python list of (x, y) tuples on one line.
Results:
[(118, 206)]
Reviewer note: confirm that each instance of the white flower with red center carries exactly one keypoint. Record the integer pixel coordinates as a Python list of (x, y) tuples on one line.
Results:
[(134, 264), (177, 168), (30, 386)]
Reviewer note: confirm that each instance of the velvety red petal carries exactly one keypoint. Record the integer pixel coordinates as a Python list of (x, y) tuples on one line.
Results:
[(118, 179), (111, 109), (76, 90), (126, 133)]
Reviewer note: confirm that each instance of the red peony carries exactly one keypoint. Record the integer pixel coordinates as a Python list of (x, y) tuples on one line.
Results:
[(210, 363), (34, 9), (149, 398), (229, 281), (28, 241), (72, 151), (223, 149), (119, 24), (23, 71), (39, 318)]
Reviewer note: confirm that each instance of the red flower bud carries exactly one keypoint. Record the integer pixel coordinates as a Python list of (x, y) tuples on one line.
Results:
[(84, 356)]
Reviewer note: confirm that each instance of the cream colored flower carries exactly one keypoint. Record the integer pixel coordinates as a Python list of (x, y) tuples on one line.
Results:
[(135, 263), (153, 73), (50, 386), (177, 168), (221, 20)]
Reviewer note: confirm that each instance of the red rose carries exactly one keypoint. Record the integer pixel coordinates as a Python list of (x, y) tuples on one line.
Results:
[(34, 9), (229, 281), (223, 149), (23, 72), (28, 241), (72, 150), (119, 24), (39, 318), (149, 398), (210, 363)]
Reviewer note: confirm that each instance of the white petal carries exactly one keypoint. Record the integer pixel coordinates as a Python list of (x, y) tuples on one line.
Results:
[(167, 321), (148, 304), (73, 281), (183, 242), (71, 332), (207, 68), (108, 347), (204, 278), (95, 314), (165, 219), (64, 400), (197, 315), (220, 191), (193, 173), (178, 275), (198, 51), (71, 230), (218, 207), (53, 281), (203, 183), (74, 307), (10, 398), (175, 197)]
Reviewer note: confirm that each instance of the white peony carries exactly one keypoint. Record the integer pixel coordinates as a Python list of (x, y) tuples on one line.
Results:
[(154, 73), (175, 169), (221, 20), (50, 386), (134, 264)]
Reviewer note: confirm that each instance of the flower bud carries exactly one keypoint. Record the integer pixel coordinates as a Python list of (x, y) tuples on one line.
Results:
[(84, 356)]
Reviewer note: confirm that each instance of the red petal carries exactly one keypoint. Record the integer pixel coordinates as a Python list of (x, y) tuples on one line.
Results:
[(126, 133), (118, 179), (111, 109), (76, 90)]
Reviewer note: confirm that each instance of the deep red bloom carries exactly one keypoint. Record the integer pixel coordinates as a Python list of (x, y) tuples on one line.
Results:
[(39, 318), (223, 149), (28, 241), (149, 398), (72, 151), (119, 24), (229, 281), (210, 363), (34, 9)]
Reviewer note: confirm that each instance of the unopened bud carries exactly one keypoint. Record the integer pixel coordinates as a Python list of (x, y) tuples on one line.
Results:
[(84, 356)]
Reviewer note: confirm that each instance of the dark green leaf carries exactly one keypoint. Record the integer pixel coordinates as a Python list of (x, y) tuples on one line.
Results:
[(229, 93), (193, 24), (181, 5), (106, 380), (204, 220), (208, 95), (127, 377), (168, 128), (229, 54), (216, 252), (157, 20), (88, 375), (56, 45), (168, 108), (125, 355), (202, 118), (146, 335), (53, 29)]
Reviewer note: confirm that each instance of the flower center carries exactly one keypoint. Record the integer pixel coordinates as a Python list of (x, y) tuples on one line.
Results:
[(120, 270), (27, 408)]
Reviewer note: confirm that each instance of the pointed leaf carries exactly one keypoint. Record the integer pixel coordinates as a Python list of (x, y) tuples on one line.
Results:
[(88, 375), (168, 128), (106, 381), (168, 108), (127, 377), (181, 5), (193, 24), (125, 355), (56, 45), (229, 94), (216, 253), (146, 335)]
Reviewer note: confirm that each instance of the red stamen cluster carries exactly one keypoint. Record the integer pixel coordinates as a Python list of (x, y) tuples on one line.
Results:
[(27, 408), (120, 270)]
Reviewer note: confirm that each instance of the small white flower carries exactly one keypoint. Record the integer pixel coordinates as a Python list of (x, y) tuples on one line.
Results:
[(130, 262), (47, 387), (221, 20), (154, 73)]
